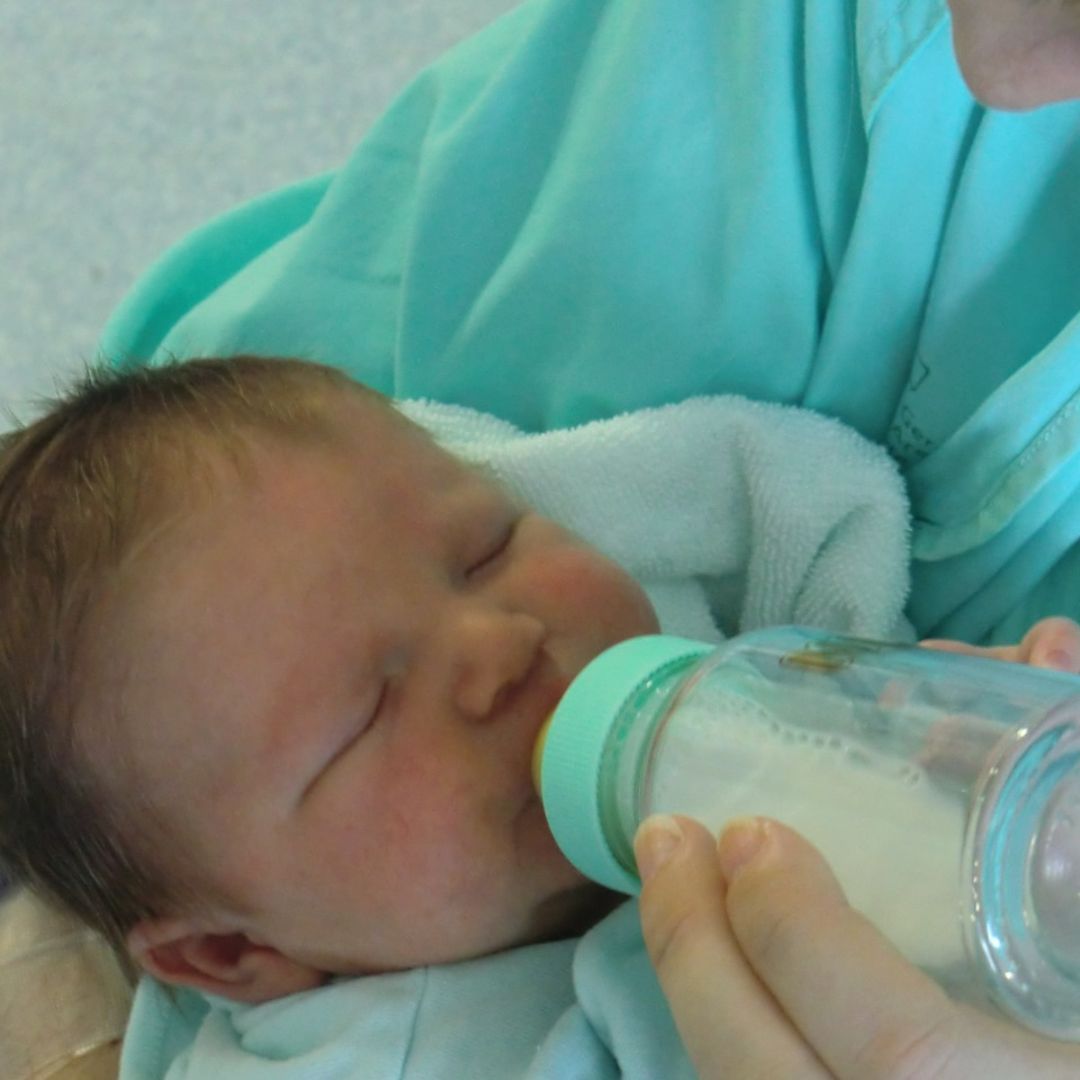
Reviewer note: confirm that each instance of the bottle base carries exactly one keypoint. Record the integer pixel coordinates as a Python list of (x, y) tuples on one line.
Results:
[(1023, 851)]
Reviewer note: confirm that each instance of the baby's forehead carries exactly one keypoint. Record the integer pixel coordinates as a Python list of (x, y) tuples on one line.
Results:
[(450, 463)]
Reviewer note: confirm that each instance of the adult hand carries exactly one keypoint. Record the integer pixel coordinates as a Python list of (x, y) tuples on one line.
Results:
[(769, 972), (1051, 643), (1018, 54)]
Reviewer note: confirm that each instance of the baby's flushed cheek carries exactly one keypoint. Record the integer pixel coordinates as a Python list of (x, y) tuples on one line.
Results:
[(596, 592), (452, 880), (438, 817)]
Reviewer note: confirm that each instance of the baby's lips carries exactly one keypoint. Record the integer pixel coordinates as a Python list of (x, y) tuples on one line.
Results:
[(552, 688), (538, 750)]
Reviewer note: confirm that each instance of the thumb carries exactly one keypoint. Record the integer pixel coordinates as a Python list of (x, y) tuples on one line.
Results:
[(728, 1021)]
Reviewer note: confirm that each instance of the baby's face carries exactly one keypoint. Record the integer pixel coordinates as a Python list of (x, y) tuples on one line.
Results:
[(331, 678)]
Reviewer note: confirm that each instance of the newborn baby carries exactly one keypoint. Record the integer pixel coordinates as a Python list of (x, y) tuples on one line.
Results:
[(294, 660)]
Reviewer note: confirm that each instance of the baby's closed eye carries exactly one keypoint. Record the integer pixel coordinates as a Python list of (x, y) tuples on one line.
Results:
[(367, 717), (492, 545)]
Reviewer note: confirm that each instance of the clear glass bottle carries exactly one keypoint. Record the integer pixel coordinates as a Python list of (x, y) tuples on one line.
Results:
[(943, 789)]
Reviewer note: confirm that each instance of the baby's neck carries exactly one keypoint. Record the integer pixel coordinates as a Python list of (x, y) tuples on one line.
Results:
[(572, 913)]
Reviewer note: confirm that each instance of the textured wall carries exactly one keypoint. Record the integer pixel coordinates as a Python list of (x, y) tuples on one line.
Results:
[(123, 123)]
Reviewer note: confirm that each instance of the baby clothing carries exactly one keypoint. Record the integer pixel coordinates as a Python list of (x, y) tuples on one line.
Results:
[(570, 1010), (733, 514)]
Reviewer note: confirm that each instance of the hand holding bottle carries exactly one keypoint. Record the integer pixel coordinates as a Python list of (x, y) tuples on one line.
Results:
[(1052, 643), (769, 972)]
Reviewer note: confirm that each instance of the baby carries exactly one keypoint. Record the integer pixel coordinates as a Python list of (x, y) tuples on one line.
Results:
[(272, 667), (272, 671)]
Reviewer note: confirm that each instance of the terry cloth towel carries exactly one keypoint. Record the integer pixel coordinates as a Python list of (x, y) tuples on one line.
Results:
[(733, 514)]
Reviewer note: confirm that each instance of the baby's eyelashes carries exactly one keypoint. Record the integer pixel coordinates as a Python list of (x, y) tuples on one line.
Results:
[(493, 549), (368, 717)]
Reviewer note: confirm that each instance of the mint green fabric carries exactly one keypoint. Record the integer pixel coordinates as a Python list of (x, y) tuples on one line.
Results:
[(585, 1010), (598, 205)]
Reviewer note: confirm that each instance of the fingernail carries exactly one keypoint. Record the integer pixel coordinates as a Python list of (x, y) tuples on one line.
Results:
[(655, 843), (739, 843), (1061, 660)]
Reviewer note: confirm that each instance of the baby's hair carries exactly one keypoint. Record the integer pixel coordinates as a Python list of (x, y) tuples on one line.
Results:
[(80, 487)]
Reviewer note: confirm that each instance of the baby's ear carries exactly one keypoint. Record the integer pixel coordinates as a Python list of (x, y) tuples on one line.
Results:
[(231, 965)]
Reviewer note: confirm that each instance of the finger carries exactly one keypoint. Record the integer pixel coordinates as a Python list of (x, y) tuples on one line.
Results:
[(729, 1022), (865, 1010), (1009, 653), (1053, 643)]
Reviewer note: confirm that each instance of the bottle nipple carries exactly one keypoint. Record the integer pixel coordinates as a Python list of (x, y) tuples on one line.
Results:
[(538, 752)]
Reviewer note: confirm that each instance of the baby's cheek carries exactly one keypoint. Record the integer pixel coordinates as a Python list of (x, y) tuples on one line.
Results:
[(601, 595), (435, 820)]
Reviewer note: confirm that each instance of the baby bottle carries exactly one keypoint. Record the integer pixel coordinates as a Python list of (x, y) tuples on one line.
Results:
[(943, 789)]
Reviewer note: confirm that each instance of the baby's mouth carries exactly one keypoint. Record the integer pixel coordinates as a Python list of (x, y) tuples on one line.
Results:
[(534, 701), (535, 697)]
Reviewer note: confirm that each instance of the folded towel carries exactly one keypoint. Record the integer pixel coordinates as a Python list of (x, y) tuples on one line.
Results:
[(733, 514)]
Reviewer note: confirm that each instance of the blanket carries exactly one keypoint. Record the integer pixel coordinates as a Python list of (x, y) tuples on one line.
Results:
[(733, 514)]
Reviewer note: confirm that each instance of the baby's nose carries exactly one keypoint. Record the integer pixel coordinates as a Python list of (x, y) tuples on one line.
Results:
[(493, 652)]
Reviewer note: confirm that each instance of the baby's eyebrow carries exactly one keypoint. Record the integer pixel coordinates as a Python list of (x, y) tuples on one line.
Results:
[(479, 496)]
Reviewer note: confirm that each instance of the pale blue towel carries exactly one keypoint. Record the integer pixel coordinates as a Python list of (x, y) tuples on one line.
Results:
[(733, 514)]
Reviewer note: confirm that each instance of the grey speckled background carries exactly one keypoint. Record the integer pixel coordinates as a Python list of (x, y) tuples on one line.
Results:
[(124, 123)]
